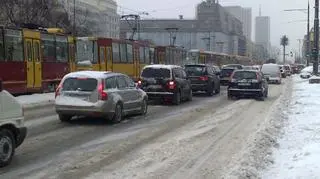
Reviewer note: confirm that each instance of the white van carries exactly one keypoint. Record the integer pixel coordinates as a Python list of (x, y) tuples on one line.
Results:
[(272, 72), (12, 129)]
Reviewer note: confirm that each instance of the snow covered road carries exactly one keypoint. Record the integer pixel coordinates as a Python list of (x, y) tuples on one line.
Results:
[(198, 139)]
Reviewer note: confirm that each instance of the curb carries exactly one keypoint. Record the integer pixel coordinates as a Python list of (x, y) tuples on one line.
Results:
[(39, 110)]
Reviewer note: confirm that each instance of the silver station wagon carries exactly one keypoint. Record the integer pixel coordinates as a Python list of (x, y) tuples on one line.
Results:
[(99, 94)]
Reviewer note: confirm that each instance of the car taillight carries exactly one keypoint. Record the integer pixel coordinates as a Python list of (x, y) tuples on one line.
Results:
[(103, 95), (58, 90), (171, 85), (203, 78)]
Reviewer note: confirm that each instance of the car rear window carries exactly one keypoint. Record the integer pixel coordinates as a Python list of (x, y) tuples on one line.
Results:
[(226, 72), (245, 75), (80, 84), (195, 70), (156, 73)]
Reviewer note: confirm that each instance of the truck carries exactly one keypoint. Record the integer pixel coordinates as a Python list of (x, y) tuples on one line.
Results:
[(12, 128)]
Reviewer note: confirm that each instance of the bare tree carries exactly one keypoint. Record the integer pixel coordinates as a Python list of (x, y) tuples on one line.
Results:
[(284, 41), (46, 13)]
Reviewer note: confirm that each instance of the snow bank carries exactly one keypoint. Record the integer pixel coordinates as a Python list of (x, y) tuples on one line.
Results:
[(298, 154), (258, 154), (36, 99)]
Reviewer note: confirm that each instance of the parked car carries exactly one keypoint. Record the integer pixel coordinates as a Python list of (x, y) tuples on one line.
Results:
[(282, 71), (272, 72), (287, 70), (203, 78), (166, 82), (248, 83), (99, 94), (12, 129), (225, 74), (237, 66)]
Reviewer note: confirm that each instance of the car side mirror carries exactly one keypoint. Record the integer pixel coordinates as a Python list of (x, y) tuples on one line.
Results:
[(1, 88)]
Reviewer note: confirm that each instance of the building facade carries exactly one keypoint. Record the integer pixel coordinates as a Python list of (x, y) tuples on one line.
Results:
[(262, 31), (213, 29), (95, 17), (245, 16)]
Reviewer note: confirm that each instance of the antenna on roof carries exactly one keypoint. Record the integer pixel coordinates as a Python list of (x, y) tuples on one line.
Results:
[(260, 10)]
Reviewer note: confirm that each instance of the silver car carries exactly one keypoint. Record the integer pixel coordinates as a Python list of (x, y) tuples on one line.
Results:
[(99, 94)]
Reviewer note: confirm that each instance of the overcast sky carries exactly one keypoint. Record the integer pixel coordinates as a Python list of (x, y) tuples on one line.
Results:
[(282, 23)]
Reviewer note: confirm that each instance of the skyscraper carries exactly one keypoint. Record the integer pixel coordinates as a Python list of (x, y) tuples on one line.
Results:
[(262, 31), (245, 16)]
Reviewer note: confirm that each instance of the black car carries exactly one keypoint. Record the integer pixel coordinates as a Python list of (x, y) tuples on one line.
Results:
[(248, 83), (236, 66), (225, 74), (166, 82), (203, 78)]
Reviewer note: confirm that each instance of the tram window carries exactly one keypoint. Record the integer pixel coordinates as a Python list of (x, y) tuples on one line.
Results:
[(13, 45), (1, 47), (95, 52), (116, 52), (48, 48), (123, 53), (36, 47), (29, 51), (147, 57), (62, 49), (129, 53), (142, 55)]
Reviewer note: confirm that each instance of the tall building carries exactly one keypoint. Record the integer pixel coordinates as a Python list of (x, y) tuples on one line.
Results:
[(97, 17), (262, 31), (245, 16), (213, 29)]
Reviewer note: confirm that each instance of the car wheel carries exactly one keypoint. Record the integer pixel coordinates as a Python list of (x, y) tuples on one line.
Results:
[(210, 91), (65, 118), (144, 107), (117, 115), (218, 90), (177, 98), (190, 95), (7, 147)]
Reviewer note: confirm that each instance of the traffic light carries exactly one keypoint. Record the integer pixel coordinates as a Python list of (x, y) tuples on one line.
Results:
[(291, 54)]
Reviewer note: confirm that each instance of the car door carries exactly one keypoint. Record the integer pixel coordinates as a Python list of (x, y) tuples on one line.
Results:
[(186, 81), (135, 94), (124, 92)]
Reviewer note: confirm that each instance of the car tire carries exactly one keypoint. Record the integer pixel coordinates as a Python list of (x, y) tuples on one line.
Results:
[(118, 113), (210, 91), (218, 90), (7, 145), (177, 98), (190, 95), (144, 107), (65, 118)]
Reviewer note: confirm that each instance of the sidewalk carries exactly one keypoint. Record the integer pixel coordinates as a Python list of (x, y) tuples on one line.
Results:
[(298, 153), (35, 100)]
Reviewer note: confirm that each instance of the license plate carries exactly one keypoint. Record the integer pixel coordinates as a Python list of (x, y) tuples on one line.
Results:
[(244, 84), (154, 86)]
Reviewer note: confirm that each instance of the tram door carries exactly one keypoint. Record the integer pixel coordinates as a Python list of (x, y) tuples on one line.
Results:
[(33, 60), (102, 58), (109, 58)]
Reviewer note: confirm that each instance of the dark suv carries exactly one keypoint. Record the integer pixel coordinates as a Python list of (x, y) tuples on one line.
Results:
[(203, 78), (166, 82), (225, 74), (248, 83)]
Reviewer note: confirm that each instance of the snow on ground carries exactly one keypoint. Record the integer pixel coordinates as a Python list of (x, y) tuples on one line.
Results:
[(36, 99), (298, 154)]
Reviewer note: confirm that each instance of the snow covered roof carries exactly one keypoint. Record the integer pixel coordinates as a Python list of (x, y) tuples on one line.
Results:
[(162, 66), (90, 74)]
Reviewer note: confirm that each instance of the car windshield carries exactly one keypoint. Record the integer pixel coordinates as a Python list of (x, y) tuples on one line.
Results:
[(195, 70), (79, 84), (155, 73), (244, 75), (226, 72)]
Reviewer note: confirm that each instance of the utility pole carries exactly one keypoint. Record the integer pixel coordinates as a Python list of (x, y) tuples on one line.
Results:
[(74, 18), (308, 37), (316, 39)]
